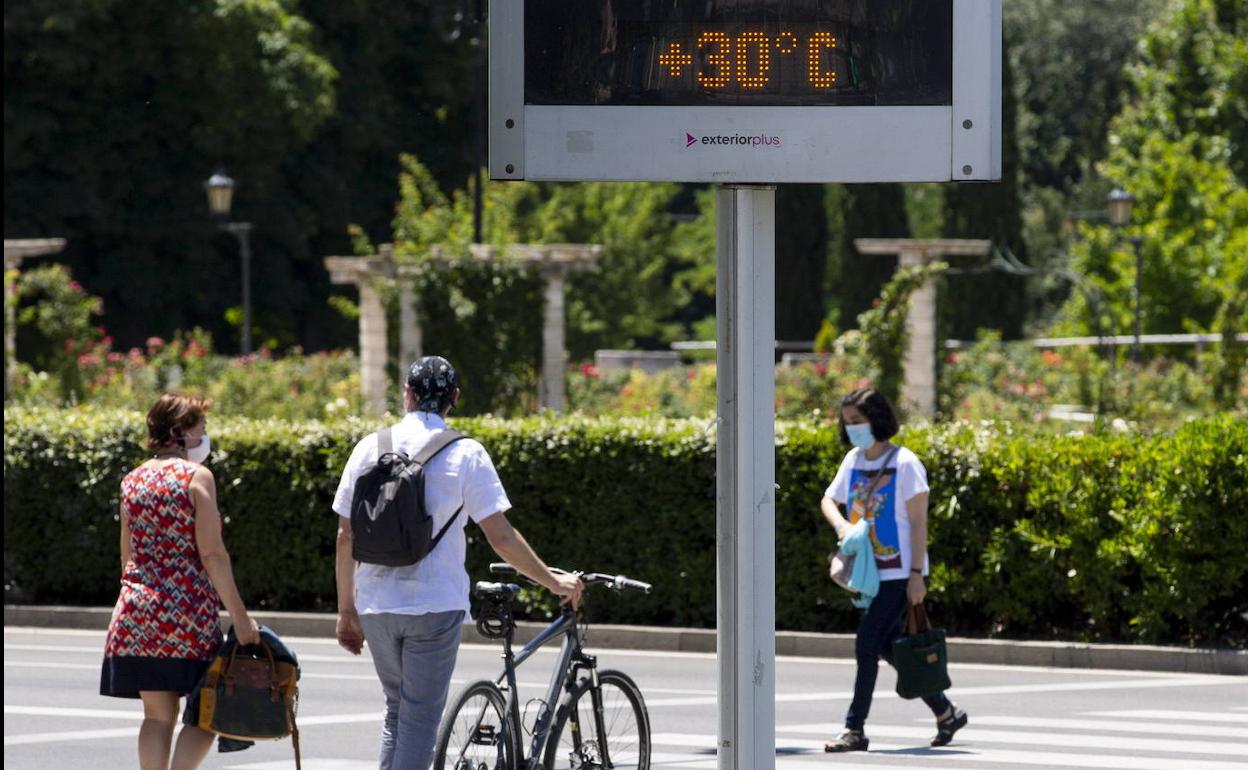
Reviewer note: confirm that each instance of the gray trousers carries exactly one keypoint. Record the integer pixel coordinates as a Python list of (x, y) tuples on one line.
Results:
[(414, 656)]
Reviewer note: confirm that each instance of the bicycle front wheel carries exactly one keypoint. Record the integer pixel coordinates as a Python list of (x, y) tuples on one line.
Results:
[(475, 733), (601, 729)]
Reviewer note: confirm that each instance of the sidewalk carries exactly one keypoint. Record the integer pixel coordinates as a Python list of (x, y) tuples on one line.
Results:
[(796, 643)]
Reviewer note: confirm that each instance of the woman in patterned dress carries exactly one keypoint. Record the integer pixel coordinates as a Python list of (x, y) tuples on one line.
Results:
[(175, 574)]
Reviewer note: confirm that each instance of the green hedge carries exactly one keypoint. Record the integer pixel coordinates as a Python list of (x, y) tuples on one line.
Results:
[(1099, 537)]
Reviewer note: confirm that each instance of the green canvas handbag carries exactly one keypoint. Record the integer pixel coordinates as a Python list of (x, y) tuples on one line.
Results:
[(920, 656)]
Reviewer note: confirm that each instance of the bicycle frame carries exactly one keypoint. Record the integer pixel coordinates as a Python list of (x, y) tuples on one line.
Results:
[(571, 661)]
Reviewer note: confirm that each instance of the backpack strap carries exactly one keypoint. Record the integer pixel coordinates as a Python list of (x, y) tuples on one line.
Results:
[(385, 442), (879, 475), (440, 441), (430, 450)]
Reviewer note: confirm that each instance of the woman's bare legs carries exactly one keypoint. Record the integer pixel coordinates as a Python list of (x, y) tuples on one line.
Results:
[(193, 746), (160, 713)]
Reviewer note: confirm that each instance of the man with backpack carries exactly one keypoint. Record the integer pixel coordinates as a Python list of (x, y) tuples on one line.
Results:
[(406, 494)]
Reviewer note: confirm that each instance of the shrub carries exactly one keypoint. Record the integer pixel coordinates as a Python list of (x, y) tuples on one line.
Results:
[(1092, 537)]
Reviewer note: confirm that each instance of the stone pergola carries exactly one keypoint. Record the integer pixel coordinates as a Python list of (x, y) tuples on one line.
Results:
[(554, 261), (362, 272), (14, 252), (919, 381)]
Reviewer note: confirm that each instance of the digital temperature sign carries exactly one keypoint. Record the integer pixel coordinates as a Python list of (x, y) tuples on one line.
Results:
[(794, 52), (745, 91)]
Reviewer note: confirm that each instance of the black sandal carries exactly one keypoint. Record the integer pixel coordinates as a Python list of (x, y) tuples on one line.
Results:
[(945, 728), (850, 740)]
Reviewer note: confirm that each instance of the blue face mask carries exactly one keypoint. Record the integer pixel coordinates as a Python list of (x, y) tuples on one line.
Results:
[(860, 435)]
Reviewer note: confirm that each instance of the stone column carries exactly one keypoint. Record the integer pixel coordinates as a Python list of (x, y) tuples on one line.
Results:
[(14, 252), (918, 390), (372, 347), (550, 393), (362, 272), (410, 337)]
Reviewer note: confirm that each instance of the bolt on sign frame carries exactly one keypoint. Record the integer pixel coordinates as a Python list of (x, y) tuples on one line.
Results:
[(751, 91)]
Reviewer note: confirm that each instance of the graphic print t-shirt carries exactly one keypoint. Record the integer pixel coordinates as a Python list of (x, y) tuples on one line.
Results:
[(885, 511)]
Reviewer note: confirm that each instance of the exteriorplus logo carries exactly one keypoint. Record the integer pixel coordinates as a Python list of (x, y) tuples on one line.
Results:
[(746, 141)]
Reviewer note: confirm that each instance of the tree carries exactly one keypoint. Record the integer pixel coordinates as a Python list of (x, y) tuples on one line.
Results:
[(115, 112), (1066, 60), (1180, 148)]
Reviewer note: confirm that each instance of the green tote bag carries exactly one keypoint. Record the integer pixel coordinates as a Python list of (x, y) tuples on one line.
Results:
[(920, 656)]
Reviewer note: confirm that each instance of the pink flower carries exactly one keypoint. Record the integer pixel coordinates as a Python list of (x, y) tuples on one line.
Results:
[(76, 287), (952, 358), (590, 371), (115, 358), (154, 344), (821, 369)]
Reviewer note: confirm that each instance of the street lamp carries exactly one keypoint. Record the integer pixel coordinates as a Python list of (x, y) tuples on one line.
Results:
[(1119, 203), (220, 190)]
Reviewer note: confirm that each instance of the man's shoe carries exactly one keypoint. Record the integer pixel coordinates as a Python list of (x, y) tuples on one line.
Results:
[(850, 740), (945, 728)]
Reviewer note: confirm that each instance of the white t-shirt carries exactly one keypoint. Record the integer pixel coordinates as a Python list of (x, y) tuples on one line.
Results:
[(462, 474), (885, 512)]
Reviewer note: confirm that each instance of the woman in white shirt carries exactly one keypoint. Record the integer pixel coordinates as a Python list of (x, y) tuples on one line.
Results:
[(896, 513)]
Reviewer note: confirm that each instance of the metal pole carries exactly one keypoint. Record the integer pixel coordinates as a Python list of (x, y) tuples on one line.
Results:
[(478, 117), (1139, 264), (243, 231), (746, 472)]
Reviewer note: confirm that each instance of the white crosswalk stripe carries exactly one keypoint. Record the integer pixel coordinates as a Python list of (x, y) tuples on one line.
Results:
[(1196, 716)]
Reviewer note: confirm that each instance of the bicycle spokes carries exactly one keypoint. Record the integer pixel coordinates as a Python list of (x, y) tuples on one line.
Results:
[(475, 740)]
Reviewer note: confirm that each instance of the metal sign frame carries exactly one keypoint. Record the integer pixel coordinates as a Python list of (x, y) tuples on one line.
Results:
[(958, 142)]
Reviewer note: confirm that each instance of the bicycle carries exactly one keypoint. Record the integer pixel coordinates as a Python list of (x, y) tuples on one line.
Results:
[(483, 729)]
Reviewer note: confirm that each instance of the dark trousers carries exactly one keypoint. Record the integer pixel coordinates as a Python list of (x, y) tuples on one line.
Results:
[(881, 624)]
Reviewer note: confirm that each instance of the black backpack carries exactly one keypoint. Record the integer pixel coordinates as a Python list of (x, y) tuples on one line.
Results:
[(389, 523)]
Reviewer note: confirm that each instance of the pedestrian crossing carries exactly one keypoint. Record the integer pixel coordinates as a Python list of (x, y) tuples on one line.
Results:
[(1022, 720), (1143, 739)]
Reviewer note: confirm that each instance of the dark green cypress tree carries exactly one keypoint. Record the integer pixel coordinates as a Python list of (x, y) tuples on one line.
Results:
[(801, 259), (870, 211)]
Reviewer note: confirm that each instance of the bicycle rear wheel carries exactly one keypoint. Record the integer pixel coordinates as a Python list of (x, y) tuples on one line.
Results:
[(475, 733), (619, 740)]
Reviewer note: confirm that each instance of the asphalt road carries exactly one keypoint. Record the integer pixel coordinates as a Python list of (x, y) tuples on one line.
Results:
[(1020, 717)]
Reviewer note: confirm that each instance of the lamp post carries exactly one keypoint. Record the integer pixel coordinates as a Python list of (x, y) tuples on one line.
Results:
[(220, 190), (1120, 202)]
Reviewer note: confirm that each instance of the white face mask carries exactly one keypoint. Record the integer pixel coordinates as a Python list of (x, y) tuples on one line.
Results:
[(198, 454)]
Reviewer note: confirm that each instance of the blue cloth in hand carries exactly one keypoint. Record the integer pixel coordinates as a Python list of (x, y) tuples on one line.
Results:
[(865, 578)]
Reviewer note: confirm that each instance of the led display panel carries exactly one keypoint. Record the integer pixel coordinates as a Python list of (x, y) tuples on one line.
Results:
[(785, 53)]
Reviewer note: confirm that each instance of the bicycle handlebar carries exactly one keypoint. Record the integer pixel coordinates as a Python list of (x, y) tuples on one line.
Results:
[(618, 582)]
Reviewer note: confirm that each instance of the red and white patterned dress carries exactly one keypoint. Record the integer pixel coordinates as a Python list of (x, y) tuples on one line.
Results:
[(166, 625)]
